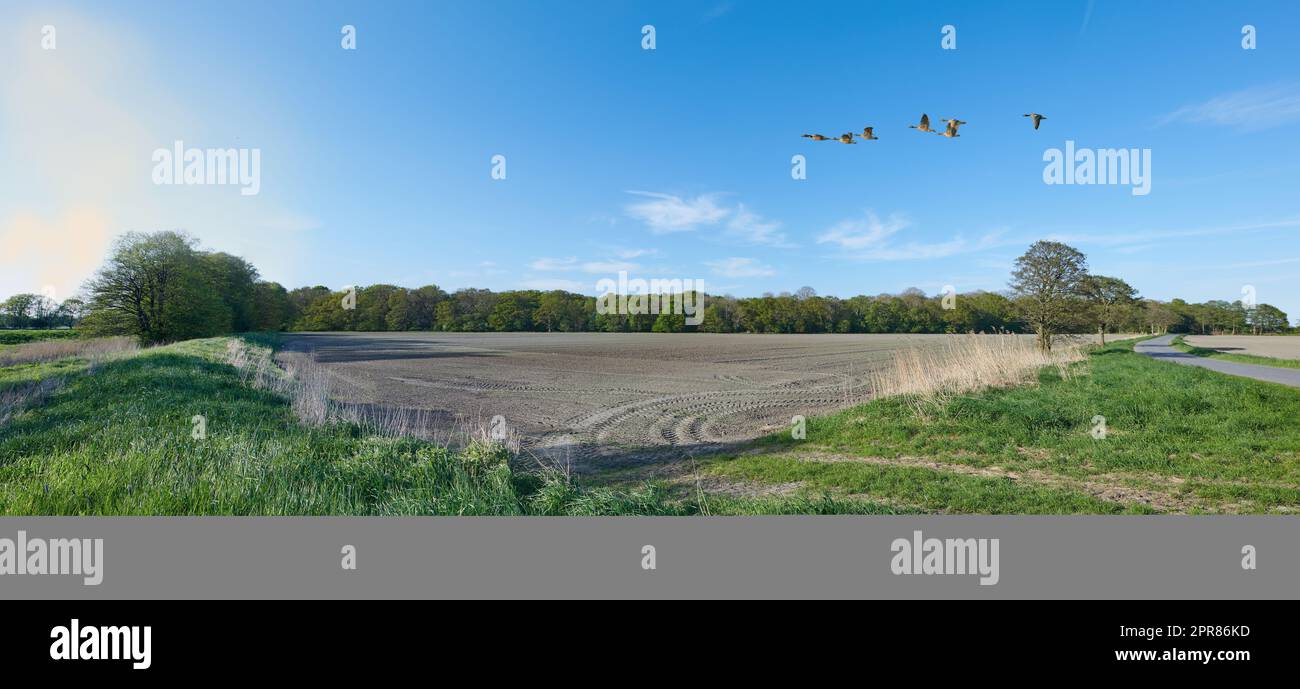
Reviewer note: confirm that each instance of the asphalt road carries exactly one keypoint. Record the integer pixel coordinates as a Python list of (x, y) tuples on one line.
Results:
[(1159, 348)]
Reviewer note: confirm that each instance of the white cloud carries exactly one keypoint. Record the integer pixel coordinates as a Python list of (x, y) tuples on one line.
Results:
[(916, 250), (736, 267), (754, 229), (1250, 109), (609, 266), (666, 213), (869, 238), (554, 263), (572, 264), (863, 233)]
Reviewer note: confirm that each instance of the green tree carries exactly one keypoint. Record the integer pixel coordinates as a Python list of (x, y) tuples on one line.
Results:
[(157, 287), (980, 312), (414, 309), (18, 311), (1157, 317), (1108, 296), (71, 311), (300, 299), (513, 312), (272, 309), (472, 308), (399, 311), (326, 312), (1046, 282), (551, 310), (445, 315), (1266, 318), (372, 307), (669, 323), (234, 281)]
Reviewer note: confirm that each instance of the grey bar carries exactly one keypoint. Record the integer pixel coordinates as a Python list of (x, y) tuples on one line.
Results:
[(696, 557)]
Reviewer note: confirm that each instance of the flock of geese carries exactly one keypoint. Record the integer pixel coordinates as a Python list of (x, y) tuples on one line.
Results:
[(950, 131)]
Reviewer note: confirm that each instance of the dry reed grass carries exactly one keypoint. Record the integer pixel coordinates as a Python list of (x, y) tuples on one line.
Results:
[(52, 350), (971, 363), (15, 399)]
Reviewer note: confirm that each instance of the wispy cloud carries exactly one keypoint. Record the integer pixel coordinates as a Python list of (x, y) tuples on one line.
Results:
[(868, 232), (609, 266), (1251, 109), (572, 264), (717, 11), (1087, 16), (753, 228), (737, 267), (872, 239), (666, 213), (554, 264), (1260, 264), (1146, 237)]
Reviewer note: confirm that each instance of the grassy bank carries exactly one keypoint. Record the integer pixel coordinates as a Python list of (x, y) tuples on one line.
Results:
[(1177, 439), (1182, 346), (119, 440)]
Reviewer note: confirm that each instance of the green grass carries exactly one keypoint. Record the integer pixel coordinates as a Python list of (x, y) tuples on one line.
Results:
[(118, 442), (28, 373), (1199, 440), (1182, 346), (13, 337)]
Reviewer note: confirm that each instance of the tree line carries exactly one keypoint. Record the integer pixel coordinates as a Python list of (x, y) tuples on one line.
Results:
[(162, 287), (39, 312)]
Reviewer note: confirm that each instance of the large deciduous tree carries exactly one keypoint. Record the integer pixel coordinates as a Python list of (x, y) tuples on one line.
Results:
[(160, 288), (1046, 282)]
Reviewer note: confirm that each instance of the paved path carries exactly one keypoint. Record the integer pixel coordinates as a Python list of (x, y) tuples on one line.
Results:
[(1159, 348)]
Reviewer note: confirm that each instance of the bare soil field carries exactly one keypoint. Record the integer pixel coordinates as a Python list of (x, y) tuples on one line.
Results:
[(601, 400), (1278, 347)]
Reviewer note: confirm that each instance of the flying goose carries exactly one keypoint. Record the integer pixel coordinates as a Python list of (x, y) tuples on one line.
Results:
[(816, 137), (924, 126), (1037, 118), (867, 135), (846, 138), (951, 131)]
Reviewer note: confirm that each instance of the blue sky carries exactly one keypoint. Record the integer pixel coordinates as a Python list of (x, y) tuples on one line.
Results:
[(668, 163)]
